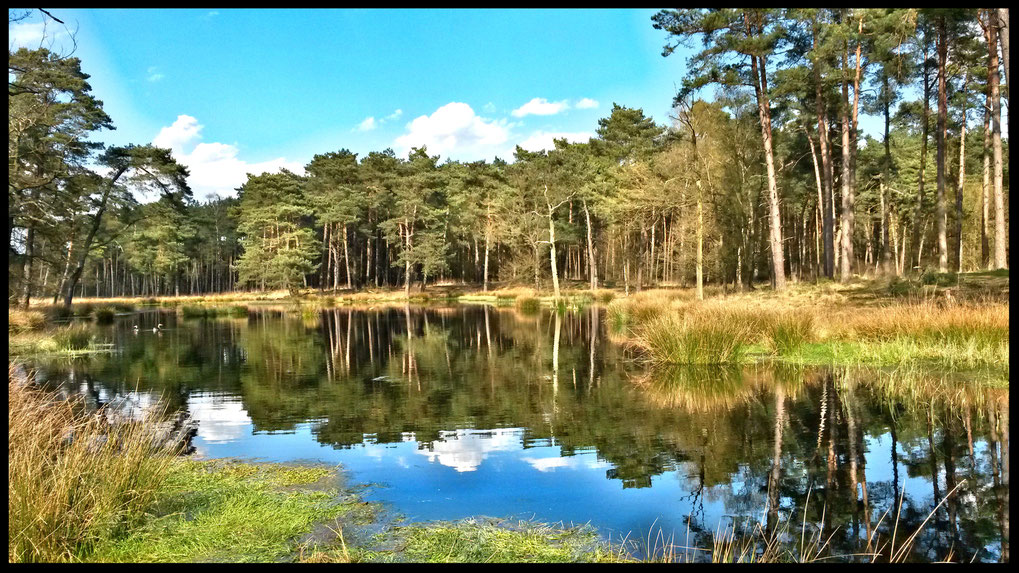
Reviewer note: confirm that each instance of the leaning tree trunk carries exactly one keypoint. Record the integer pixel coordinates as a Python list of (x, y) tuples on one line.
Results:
[(87, 244)]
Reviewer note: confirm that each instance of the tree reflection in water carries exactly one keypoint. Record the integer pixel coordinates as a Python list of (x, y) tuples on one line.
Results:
[(743, 443)]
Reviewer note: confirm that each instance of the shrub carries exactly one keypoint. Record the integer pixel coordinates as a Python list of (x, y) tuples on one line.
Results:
[(83, 310), (899, 287)]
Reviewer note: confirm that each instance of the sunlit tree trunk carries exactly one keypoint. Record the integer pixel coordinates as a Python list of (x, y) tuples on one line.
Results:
[(985, 189), (918, 223), (846, 266), (826, 202), (942, 215), (775, 242), (961, 183), (1000, 241)]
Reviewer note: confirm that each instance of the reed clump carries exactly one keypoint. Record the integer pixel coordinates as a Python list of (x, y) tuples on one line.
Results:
[(104, 315), (691, 339), (193, 311), (74, 479), (528, 304)]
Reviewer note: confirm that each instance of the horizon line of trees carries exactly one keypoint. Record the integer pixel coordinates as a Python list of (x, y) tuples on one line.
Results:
[(770, 180)]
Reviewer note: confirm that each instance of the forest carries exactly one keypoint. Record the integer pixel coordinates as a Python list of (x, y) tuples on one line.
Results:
[(768, 181)]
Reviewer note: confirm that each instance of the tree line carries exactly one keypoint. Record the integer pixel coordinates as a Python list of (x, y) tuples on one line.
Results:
[(761, 175)]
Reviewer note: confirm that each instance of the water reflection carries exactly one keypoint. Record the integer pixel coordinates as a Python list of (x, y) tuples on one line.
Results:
[(473, 410)]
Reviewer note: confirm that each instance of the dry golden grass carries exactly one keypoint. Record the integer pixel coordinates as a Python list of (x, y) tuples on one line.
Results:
[(19, 321), (74, 479)]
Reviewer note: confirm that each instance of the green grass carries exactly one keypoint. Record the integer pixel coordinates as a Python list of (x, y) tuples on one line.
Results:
[(494, 541), (229, 511)]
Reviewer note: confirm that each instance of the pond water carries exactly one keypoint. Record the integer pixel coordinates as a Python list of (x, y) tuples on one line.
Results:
[(474, 410)]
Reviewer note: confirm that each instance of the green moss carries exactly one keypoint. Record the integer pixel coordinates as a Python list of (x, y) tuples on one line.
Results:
[(229, 511)]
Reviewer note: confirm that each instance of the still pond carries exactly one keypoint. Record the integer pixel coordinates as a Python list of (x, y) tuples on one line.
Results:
[(450, 412)]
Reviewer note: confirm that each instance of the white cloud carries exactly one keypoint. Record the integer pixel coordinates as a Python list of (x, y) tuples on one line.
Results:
[(544, 139), (215, 169), (464, 450), (220, 419), (541, 106), (489, 108), (367, 125), (454, 129), (154, 75), (587, 103), (395, 115), (34, 34), (552, 463)]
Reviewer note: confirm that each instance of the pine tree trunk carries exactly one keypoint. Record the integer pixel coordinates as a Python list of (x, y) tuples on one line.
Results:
[(941, 213), (918, 222), (846, 260), (961, 183), (1003, 37), (1000, 241), (346, 259), (985, 189), (775, 239), (826, 203)]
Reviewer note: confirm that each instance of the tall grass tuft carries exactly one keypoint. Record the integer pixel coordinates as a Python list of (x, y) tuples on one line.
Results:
[(528, 304), (790, 330), (104, 315), (19, 321), (191, 311), (74, 480), (693, 339), (73, 337)]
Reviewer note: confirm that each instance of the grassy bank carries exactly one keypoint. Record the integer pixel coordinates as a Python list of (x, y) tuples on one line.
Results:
[(823, 325)]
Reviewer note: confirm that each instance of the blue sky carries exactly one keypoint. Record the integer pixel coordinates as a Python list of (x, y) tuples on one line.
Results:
[(232, 91)]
